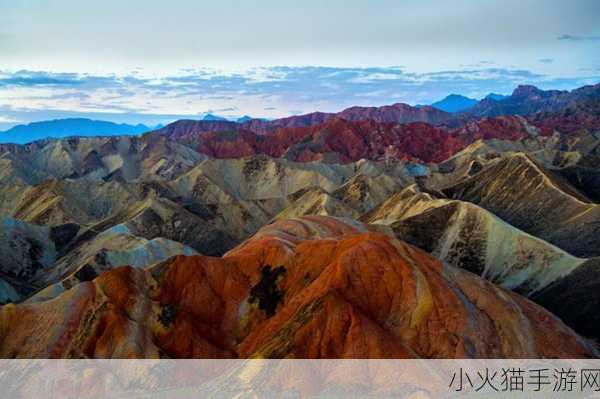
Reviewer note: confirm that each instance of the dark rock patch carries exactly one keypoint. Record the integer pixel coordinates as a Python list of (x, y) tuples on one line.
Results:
[(426, 229), (575, 299), (475, 168), (168, 314), (584, 179), (86, 273), (266, 293), (63, 234)]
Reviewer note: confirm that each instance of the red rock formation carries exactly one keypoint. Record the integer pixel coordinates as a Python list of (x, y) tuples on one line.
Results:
[(401, 131), (581, 117), (351, 141), (341, 140), (188, 130), (369, 139), (314, 287), (262, 126), (511, 128), (397, 113)]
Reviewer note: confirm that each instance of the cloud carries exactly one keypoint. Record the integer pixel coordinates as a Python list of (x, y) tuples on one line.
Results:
[(30, 78), (376, 76), (578, 38), (266, 92), (546, 60), (221, 110), (4, 119)]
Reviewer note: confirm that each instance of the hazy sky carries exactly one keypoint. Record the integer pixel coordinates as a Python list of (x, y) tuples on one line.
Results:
[(154, 60)]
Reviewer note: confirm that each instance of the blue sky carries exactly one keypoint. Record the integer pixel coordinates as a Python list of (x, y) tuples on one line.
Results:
[(157, 61)]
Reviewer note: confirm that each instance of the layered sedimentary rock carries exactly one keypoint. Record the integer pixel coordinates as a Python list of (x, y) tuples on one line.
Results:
[(467, 236), (211, 206), (159, 217), (397, 113), (576, 298), (584, 173), (25, 248), (464, 235), (242, 195), (357, 195), (316, 201), (36, 257), (338, 141), (112, 248), (313, 287), (523, 193)]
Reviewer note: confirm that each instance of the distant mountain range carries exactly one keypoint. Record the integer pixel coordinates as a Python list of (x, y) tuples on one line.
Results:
[(527, 99), (59, 128), (212, 117), (451, 112), (397, 131), (84, 127), (454, 103), (241, 119)]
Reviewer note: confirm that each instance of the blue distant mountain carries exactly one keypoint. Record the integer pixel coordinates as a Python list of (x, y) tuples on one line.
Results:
[(455, 103), (68, 127), (211, 117), (243, 119), (497, 97)]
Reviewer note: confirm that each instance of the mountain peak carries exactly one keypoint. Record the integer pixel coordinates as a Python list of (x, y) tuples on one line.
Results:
[(526, 90), (454, 96), (495, 97), (212, 117), (454, 103), (243, 119)]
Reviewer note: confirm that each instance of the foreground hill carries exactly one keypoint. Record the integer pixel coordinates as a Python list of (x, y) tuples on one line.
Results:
[(271, 297), (467, 236)]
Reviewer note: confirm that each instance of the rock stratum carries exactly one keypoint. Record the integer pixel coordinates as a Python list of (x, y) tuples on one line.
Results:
[(367, 295), (383, 232)]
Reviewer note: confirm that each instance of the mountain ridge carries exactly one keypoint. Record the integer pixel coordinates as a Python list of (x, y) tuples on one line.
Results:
[(67, 127), (526, 100)]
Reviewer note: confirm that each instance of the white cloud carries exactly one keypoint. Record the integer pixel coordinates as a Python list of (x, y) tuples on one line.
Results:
[(4, 119)]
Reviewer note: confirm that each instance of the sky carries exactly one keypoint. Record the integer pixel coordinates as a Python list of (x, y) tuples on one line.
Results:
[(155, 61)]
